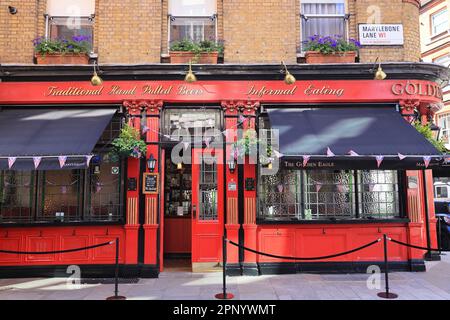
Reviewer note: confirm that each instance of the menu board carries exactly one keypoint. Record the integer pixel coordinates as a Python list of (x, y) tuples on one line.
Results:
[(150, 183)]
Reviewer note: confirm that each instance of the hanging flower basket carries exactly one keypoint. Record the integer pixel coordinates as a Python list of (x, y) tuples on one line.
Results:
[(129, 144)]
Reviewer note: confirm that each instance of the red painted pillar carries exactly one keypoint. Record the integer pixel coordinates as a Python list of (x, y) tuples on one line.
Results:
[(132, 202), (151, 225), (232, 218), (250, 228)]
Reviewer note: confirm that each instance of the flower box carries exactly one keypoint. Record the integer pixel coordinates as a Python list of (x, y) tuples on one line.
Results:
[(341, 57), (62, 58), (199, 58)]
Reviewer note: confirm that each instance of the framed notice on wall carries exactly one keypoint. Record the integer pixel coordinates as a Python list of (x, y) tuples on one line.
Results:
[(150, 183), (381, 34)]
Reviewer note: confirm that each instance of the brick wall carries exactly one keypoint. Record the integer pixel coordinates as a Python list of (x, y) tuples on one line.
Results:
[(260, 31), (128, 31), (17, 31)]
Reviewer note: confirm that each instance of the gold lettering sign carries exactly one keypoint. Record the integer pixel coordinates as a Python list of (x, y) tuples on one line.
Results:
[(414, 88), (73, 91), (263, 91)]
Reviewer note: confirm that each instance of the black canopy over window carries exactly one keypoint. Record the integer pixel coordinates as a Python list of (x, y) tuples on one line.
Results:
[(49, 133), (356, 136)]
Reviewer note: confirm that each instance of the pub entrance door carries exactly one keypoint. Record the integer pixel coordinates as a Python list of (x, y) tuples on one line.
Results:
[(207, 208)]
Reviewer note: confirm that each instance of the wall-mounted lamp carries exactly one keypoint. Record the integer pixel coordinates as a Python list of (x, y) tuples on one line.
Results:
[(232, 165), (12, 10), (288, 78), (190, 76), (379, 74), (435, 130), (151, 163), (96, 80)]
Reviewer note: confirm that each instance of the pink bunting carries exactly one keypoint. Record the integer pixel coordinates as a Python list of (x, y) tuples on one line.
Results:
[(88, 159), (401, 156), (242, 119), (353, 153), (379, 160), (330, 153), (371, 187), (145, 129), (340, 188), (11, 161), (427, 160), (37, 161), (305, 160), (280, 188), (62, 161), (318, 186)]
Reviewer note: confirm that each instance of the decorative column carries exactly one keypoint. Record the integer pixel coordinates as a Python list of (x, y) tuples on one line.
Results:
[(249, 266), (133, 111), (231, 114), (151, 224)]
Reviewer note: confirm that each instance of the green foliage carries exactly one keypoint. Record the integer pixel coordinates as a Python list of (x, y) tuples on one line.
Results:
[(426, 131), (197, 48), (76, 44), (129, 143)]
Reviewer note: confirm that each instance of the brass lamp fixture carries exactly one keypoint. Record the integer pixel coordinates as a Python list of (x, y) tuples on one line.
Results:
[(379, 74), (190, 76), (96, 80), (288, 78)]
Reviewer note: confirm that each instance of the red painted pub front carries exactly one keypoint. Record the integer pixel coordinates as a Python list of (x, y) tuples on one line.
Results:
[(181, 210)]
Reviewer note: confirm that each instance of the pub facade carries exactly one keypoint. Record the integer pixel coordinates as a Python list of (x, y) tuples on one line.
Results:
[(345, 167)]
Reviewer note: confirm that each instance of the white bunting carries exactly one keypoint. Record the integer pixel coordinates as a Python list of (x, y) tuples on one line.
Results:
[(185, 145), (330, 153), (280, 188), (427, 160), (277, 154), (318, 186), (37, 161), (353, 153), (305, 160), (371, 187), (88, 159), (145, 129), (11, 161), (62, 161), (379, 160), (401, 156)]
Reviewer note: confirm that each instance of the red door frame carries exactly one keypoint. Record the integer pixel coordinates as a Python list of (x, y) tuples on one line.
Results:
[(207, 235)]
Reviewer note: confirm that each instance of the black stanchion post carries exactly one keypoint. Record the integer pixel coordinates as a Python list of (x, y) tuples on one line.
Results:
[(224, 295), (386, 294), (439, 236), (116, 276)]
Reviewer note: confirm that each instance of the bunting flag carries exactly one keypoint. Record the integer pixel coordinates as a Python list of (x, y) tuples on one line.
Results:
[(427, 160), (401, 156), (63, 189), (207, 140), (145, 129), (353, 153), (185, 145), (371, 187), (340, 188), (11, 161), (242, 118), (305, 160), (88, 159), (379, 160), (318, 186), (62, 161), (280, 188), (37, 161), (330, 153), (98, 187)]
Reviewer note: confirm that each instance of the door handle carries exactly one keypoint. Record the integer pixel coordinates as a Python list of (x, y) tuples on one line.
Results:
[(194, 211)]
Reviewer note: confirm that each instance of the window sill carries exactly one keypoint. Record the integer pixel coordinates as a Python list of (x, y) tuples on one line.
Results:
[(330, 221), (60, 224)]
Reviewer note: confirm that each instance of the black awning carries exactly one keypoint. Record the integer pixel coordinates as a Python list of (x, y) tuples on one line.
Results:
[(50, 133), (356, 136)]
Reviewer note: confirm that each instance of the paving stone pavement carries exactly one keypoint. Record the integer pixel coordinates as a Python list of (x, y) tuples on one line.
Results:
[(434, 284)]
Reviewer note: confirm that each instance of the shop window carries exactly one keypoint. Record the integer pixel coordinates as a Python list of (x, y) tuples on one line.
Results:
[(92, 194), (183, 123), (69, 18), (439, 22), (441, 192), (444, 124), (194, 20), (324, 18), (16, 195), (325, 195)]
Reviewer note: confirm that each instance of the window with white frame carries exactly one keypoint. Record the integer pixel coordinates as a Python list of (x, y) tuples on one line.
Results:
[(193, 20), (324, 18), (439, 22), (67, 19), (444, 124)]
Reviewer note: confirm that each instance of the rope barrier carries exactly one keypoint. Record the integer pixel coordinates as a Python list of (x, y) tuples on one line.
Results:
[(415, 247), (59, 251), (305, 258)]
